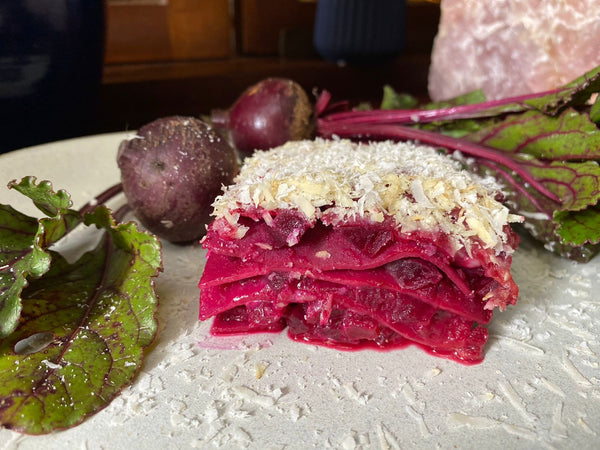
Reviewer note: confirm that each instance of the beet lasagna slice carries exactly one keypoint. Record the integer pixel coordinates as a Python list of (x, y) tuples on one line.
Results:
[(353, 245)]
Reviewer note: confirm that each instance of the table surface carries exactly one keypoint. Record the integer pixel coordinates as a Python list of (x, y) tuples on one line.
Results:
[(537, 388)]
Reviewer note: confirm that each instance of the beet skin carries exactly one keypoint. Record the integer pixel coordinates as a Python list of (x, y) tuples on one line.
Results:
[(171, 173), (266, 115)]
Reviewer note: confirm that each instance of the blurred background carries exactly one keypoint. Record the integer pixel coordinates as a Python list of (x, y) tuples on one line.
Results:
[(164, 57), (51, 62)]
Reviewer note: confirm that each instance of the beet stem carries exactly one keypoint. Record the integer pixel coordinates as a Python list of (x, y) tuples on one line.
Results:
[(101, 199), (322, 101), (514, 183), (470, 111), (219, 117), (120, 213)]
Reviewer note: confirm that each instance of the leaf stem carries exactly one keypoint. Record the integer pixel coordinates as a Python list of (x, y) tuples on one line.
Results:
[(514, 184), (101, 199), (411, 116)]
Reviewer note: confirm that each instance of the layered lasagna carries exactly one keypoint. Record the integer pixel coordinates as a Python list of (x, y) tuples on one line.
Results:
[(360, 245)]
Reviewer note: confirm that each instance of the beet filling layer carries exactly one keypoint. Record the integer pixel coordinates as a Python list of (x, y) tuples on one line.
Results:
[(356, 285)]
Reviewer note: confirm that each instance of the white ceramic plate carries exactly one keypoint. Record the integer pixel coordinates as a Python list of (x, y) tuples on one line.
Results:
[(538, 387)]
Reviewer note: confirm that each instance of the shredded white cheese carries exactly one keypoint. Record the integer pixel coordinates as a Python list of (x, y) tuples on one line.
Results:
[(415, 184)]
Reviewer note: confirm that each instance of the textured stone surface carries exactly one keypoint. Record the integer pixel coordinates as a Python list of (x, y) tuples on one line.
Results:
[(512, 47), (538, 388)]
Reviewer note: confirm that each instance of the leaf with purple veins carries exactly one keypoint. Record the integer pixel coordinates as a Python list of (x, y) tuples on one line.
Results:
[(575, 93), (576, 183), (23, 243), (558, 226), (545, 231), (83, 330), (579, 227), (570, 135)]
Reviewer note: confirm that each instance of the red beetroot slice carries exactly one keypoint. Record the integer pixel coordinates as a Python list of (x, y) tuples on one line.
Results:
[(341, 332), (242, 319), (405, 315), (358, 246), (283, 287), (345, 330), (394, 290)]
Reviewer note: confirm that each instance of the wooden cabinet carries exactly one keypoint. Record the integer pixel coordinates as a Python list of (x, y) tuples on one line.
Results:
[(174, 30), (140, 31), (272, 27)]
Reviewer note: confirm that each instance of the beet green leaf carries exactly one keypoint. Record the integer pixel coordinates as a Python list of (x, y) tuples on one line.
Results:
[(83, 325), (566, 228), (396, 100), (575, 93), (570, 135), (579, 227), (23, 243)]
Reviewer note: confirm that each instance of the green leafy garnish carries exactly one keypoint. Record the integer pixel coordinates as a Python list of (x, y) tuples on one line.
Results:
[(563, 153), (569, 135), (23, 244), (73, 333), (397, 100)]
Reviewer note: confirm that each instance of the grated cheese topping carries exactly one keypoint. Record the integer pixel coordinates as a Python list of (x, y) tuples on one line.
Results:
[(415, 184)]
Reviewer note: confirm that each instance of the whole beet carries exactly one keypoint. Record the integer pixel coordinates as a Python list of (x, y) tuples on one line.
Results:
[(171, 173), (266, 115)]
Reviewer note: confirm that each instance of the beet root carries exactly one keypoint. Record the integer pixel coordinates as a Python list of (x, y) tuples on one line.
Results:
[(266, 115), (171, 173)]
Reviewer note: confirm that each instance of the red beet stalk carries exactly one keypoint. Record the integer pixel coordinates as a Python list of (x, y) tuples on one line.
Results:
[(407, 116), (101, 199)]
